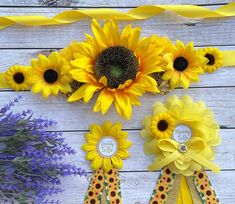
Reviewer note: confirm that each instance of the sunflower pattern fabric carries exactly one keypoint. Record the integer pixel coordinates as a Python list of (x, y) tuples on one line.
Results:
[(106, 146), (118, 64), (181, 135)]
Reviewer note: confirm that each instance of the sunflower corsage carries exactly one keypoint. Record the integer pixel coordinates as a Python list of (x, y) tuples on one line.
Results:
[(106, 146), (181, 135), (118, 65)]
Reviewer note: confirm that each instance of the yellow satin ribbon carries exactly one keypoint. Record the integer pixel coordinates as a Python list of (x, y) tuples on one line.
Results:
[(3, 82), (184, 195), (139, 13), (194, 147), (228, 58)]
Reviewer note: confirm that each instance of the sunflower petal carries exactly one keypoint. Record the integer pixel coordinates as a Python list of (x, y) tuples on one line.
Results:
[(79, 93), (107, 98), (117, 162), (96, 163), (107, 164)]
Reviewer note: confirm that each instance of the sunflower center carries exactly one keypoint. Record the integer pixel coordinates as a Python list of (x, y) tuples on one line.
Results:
[(180, 64), (162, 125), (117, 64), (211, 59), (18, 77), (50, 76)]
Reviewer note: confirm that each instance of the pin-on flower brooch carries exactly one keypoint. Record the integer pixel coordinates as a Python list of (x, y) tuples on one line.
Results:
[(181, 135), (106, 146)]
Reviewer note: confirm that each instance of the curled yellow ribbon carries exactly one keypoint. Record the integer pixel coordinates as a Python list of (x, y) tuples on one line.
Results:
[(194, 147), (139, 13)]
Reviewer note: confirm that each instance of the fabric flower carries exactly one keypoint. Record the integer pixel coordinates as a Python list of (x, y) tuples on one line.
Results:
[(18, 77), (214, 58), (50, 75), (181, 111), (117, 64), (118, 138), (183, 64)]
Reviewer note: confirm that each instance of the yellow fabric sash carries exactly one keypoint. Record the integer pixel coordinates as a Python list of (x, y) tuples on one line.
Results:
[(139, 13), (228, 60)]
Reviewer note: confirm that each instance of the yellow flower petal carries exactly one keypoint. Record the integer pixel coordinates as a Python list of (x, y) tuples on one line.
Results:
[(107, 164), (96, 130), (96, 163), (107, 98), (117, 162)]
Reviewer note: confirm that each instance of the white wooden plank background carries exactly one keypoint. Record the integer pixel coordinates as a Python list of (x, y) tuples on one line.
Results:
[(19, 44)]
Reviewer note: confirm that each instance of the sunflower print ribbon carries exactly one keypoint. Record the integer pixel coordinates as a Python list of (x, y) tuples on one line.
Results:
[(106, 146), (139, 13), (119, 65), (182, 135)]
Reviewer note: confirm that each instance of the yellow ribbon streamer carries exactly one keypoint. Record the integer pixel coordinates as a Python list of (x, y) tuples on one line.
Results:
[(228, 58), (3, 82), (139, 13), (184, 195), (195, 146)]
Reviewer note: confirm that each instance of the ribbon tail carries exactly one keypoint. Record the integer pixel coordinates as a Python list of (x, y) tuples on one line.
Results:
[(228, 58), (96, 187), (164, 186), (204, 187), (158, 164), (3, 82), (201, 160), (184, 195), (112, 186)]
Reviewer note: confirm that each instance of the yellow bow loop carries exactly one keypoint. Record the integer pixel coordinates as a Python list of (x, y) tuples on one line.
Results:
[(172, 152)]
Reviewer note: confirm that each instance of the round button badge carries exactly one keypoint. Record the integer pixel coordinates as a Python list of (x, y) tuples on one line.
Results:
[(107, 146), (182, 133)]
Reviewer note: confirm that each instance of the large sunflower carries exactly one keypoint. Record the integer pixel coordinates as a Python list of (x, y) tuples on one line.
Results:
[(106, 146), (17, 77), (189, 116), (118, 64), (183, 65), (50, 75)]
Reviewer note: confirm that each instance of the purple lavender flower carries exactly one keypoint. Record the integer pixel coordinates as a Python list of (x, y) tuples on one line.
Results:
[(31, 158)]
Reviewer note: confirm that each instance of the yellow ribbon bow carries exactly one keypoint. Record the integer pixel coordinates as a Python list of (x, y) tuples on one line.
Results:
[(182, 154)]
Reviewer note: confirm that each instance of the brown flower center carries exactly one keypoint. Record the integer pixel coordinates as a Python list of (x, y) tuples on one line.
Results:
[(162, 125), (211, 59), (117, 64), (50, 76), (180, 64), (19, 77)]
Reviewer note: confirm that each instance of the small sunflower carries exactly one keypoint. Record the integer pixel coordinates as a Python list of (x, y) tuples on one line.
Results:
[(50, 75), (106, 146), (183, 65), (117, 64), (214, 58), (162, 125), (17, 77)]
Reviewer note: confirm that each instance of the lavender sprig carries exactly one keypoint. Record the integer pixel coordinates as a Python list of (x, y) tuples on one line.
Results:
[(31, 158)]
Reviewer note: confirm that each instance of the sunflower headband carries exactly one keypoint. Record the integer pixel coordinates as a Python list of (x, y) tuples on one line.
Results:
[(119, 65), (106, 146), (181, 135)]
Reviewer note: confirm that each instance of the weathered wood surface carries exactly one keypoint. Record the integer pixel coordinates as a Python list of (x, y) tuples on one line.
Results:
[(103, 3), (19, 44)]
